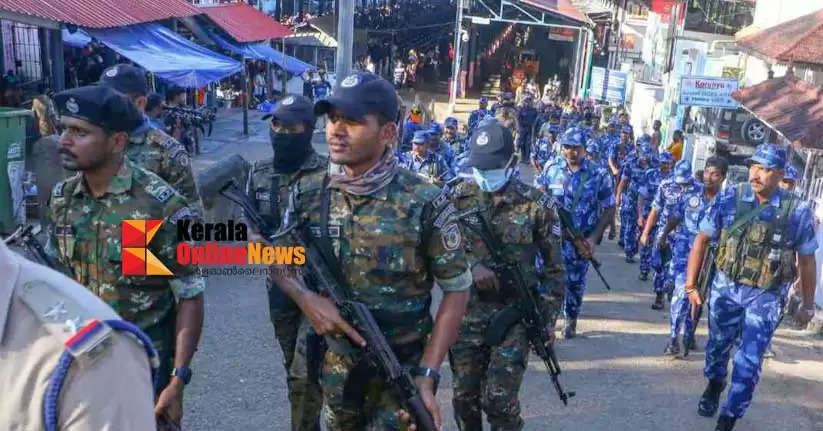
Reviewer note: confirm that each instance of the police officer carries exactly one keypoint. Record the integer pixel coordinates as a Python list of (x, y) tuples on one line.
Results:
[(423, 161), (456, 143), (775, 229), (291, 127), (394, 236), (586, 192), (41, 312), (478, 114), (88, 212), (526, 117), (487, 378), (632, 178), (648, 189), (149, 147), (789, 180), (436, 144), (545, 148)]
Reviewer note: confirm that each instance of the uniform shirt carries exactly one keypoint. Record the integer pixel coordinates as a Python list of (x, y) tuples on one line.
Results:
[(458, 146), (689, 209), (526, 118), (649, 185), (154, 150), (409, 127), (260, 187), (800, 227), (40, 310), (432, 167), (543, 151), (392, 246), (635, 175), (584, 200), (618, 153), (84, 233), (476, 116), (523, 227), (320, 89)]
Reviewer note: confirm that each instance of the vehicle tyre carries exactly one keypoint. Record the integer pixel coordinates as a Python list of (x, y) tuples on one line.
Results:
[(754, 131)]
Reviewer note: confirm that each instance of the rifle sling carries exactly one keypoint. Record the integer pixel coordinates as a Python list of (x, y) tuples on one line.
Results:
[(324, 243)]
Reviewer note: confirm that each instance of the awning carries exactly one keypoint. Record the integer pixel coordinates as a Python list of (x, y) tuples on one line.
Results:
[(245, 23), (799, 41), (262, 51), (563, 9), (318, 39), (167, 54), (789, 105), (78, 39)]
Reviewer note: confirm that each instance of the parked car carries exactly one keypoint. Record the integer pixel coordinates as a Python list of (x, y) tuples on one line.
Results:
[(736, 131)]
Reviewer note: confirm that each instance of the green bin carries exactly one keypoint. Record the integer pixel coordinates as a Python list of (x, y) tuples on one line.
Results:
[(12, 166)]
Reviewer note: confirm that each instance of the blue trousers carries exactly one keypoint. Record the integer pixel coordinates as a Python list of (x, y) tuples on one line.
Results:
[(628, 228), (576, 268), (680, 316), (647, 251), (753, 314)]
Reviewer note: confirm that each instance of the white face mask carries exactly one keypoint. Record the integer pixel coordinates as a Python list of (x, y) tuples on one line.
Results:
[(492, 180)]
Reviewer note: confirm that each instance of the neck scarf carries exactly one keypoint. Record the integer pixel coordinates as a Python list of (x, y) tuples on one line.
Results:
[(371, 181)]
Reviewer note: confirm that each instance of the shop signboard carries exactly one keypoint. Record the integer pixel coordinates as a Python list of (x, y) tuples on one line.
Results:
[(709, 92)]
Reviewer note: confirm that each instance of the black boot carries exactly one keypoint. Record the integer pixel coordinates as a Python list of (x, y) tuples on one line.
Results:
[(570, 331), (658, 302), (725, 423), (672, 349), (644, 276), (691, 343), (710, 400)]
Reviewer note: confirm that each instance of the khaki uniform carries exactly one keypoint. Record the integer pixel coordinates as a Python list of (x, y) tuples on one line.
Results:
[(271, 199), (158, 152), (392, 245), (84, 234), (108, 387)]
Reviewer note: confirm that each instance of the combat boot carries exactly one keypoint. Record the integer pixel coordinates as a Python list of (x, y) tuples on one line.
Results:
[(725, 423), (644, 276), (658, 301), (672, 348), (710, 400), (570, 330), (691, 342)]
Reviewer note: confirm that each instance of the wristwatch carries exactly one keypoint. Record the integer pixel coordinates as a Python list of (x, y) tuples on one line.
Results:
[(184, 374), (421, 371)]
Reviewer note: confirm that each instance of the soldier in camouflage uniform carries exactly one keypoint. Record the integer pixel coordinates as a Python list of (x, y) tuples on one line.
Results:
[(423, 161), (487, 378), (766, 239), (84, 232), (291, 131), (394, 237), (151, 148), (648, 189), (585, 191)]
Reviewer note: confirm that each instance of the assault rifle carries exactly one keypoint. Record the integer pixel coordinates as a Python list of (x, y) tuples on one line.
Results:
[(574, 235), (329, 281), (705, 277), (25, 237), (527, 309)]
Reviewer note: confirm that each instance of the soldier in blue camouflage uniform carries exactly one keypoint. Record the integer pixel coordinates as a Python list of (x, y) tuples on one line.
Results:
[(487, 378), (437, 146), (423, 161), (478, 114), (632, 177), (585, 191), (775, 229), (595, 156), (545, 147), (648, 189), (84, 223), (683, 221), (457, 144), (526, 117), (394, 237), (291, 128)]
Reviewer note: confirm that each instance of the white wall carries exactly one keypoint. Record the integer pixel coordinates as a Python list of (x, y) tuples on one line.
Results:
[(768, 13)]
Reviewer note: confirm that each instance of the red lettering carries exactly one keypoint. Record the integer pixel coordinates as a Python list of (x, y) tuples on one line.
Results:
[(183, 253), (198, 255), (239, 255)]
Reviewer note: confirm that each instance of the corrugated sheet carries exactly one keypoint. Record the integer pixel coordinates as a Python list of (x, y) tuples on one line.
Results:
[(788, 104), (562, 8), (101, 13), (245, 23), (799, 40)]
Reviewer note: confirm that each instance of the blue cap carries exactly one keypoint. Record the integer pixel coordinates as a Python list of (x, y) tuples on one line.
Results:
[(626, 129), (508, 95), (490, 147), (361, 94), (450, 122), (613, 123), (484, 100), (293, 110), (791, 173), (435, 128), (666, 157), (644, 138), (573, 138), (592, 147), (683, 172), (769, 156), (554, 128), (420, 136)]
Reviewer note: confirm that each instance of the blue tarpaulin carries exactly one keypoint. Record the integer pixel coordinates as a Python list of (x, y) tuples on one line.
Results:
[(167, 54), (78, 39), (262, 51)]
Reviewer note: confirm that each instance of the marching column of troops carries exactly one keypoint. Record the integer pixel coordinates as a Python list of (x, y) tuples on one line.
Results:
[(403, 207)]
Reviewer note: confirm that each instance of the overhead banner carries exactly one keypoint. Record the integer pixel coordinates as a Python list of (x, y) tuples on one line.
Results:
[(608, 85), (709, 92), (562, 34)]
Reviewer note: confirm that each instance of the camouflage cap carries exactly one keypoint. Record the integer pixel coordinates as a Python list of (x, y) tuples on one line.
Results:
[(666, 157), (592, 147), (420, 136), (626, 129), (791, 173), (435, 128), (450, 122), (769, 156), (573, 138), (683, 172)]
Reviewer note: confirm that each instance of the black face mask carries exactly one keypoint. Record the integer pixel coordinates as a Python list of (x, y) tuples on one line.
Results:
[(290, 149)]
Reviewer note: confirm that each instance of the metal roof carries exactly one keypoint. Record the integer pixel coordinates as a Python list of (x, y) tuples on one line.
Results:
[(799, 41), (245, 23), (791, 106), (100, 13), (562, 8)]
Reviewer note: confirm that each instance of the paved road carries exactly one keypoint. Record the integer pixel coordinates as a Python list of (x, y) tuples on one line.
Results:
[(616, 367)]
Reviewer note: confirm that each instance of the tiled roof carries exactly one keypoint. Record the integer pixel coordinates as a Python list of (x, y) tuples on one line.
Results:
[(245, 23), (101, 13), (799, 40)]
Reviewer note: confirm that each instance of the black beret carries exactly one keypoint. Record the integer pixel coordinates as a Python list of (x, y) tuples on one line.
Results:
[(100, 105)]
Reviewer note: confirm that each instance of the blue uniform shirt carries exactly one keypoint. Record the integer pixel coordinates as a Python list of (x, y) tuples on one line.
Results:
[(690, 208)]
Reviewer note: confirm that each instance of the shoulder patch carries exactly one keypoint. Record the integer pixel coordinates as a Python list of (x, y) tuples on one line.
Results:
[(547, 201), (441, 198), (183, 213), (451, 237), (444, 216), (57, 191)]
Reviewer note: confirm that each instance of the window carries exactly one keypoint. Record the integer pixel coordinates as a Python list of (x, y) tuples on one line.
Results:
[(22, 51)]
